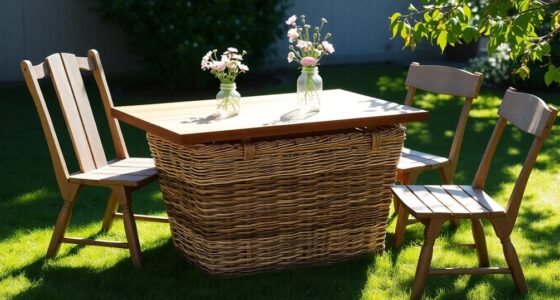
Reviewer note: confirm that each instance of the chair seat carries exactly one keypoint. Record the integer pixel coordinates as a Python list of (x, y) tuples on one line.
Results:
[(131, 172), (412, 160), (446, 201)]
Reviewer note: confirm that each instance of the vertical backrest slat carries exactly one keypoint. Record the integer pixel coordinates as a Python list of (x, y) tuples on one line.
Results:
[(118, 140), (31, 76), (71, 113), (84, 109)]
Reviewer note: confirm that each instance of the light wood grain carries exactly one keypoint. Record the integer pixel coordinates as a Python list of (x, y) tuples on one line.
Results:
[(74, 77), (71, 113), (122, 175), (264, 116), (455, 207), (528, 113), (444, 80), (440, 80), (94, 60)]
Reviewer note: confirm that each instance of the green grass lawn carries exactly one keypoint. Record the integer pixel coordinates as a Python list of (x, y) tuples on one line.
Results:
[(30, 201)]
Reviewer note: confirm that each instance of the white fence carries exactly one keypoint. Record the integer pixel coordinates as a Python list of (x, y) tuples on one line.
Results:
[(34, 29)]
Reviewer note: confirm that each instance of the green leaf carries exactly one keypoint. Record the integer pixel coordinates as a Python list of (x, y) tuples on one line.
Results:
[(436, 15), (419, 30), (553, 74), (397, 27), (524, 5), (394, 17), (546, 48), (467, 11), (555, 24), (442, 40), (412, 8), (550, 75), (405, 30), (468, 35), (523, 71)]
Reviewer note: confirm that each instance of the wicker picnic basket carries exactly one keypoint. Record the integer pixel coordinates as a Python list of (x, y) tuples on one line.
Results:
[(237, 208)]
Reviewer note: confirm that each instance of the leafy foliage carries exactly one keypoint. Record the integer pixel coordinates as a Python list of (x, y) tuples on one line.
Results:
[(171, 35), (516, 23)]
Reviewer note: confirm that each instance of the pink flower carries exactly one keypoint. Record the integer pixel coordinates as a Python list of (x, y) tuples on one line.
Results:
[(219, 66), (292, 34), (291, 56), (305, 45), (291, 20), (328, 47), (308, 61)]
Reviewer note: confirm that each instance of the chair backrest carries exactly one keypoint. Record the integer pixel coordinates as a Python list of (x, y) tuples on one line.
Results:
[(65, 72), (447, 81), (530, 114)]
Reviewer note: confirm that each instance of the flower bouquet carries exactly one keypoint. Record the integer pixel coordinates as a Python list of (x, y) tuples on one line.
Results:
[(226, 70), (307, 48)]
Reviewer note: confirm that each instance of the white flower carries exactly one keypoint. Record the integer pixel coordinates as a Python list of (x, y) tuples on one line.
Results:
[(231, 49), (291, 56), (243, 68), (305, 45), (204, 64), (225, 58), (328, 47), (232, 64), (218, 66), (206, 57), (291, 20), (292, 34), (237, 56)]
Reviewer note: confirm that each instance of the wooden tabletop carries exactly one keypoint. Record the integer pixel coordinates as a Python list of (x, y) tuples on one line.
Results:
[(193, 122)]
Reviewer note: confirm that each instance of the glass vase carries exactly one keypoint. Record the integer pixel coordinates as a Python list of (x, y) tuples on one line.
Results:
[(227, 100), (309, 89)]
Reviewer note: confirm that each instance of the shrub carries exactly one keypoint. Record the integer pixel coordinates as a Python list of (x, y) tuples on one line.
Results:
[(497, 68), (171, 36)]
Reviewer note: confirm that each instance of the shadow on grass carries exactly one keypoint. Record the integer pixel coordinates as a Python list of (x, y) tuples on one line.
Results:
[(177, 279), (40, 208)]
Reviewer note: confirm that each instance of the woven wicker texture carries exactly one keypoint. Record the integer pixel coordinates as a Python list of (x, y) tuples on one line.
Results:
[(237, 208)]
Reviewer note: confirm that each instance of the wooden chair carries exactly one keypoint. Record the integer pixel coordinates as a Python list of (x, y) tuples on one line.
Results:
[(122, 175), (433, 204), (441, 80)]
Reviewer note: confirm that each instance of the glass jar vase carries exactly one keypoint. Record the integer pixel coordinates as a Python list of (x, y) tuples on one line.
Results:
[(309, 89), (227, 100)]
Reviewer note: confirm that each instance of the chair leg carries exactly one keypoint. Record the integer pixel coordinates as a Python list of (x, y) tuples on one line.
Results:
[(402, 217), (402, 213), (63, 220), (112, 206), (431, 233), (480, 242), (123, 197), (510, 255)]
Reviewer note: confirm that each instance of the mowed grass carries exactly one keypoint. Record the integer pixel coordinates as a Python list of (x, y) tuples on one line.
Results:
[(30, 201)]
